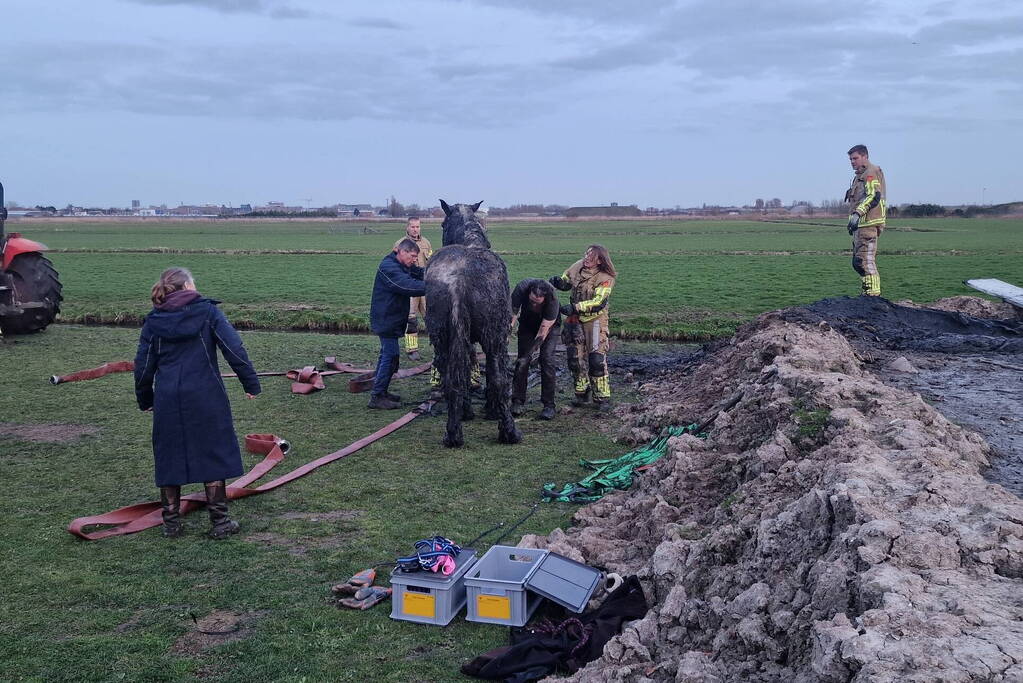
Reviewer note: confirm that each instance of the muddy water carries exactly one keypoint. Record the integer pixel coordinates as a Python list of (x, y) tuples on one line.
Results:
[(970, 369)]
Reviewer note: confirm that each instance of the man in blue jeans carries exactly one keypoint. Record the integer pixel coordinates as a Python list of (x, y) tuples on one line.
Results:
[(397, 279)]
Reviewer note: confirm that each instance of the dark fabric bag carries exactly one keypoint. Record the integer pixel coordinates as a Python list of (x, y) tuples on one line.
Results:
[(566, 647)]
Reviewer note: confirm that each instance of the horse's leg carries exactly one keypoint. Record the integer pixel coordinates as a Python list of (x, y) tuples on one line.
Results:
[(499, 390), (453, 437), (492, 407)]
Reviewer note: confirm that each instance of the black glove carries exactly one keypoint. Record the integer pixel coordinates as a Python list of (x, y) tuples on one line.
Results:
[(559, 282), (568, 309), (854, 222)]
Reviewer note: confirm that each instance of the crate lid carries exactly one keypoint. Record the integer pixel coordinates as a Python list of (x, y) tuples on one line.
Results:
[(465, 560), (565, 581)]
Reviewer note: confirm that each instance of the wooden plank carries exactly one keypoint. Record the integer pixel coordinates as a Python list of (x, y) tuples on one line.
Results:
[(1008, 293)]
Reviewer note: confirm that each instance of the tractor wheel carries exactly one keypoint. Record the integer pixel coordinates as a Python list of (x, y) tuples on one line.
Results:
[(35, 280)]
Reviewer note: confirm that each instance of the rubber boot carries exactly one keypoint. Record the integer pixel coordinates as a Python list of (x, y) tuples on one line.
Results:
[(216, 502), (412, 345), (381, 402), (581, 399), (547, 413), (871, 285), (170, 499)]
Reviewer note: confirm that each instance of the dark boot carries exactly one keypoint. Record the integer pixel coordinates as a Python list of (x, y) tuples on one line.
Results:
[(392, 397), (605, 406), (216, 502), (547, 413), (170, 499), (381, 402), (581, 399), (517, 408)]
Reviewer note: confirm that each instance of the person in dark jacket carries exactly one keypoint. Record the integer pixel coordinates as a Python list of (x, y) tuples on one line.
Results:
[(177, 378), (397, 279), (536, 307)]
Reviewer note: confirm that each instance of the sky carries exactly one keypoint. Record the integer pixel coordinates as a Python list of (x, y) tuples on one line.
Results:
[(579, 102)]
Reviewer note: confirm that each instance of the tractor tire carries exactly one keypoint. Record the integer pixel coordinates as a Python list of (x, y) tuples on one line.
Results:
[(34, 280)]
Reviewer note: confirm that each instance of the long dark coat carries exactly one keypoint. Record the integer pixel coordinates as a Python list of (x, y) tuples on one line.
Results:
[(176, 374)]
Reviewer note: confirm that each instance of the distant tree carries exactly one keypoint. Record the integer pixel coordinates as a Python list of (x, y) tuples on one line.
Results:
[(759, 205), (922, 210), (395, 208), (774, 203)]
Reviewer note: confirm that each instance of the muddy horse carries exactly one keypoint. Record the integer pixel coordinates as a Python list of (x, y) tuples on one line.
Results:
[(468, 302)]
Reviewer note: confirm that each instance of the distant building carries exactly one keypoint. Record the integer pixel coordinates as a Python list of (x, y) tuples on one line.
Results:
[(355, 210), (613, 211)]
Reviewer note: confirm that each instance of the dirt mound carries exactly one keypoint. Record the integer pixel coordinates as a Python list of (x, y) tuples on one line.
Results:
[(976, 307), (831, 528)]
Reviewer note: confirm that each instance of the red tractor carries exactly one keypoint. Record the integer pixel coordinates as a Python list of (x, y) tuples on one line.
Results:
[(29, 289)]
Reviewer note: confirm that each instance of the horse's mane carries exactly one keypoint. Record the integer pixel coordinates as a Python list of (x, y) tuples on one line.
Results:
[(463, 226)]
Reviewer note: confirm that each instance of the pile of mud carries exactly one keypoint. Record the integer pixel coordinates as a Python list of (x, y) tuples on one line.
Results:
[(830, 528)]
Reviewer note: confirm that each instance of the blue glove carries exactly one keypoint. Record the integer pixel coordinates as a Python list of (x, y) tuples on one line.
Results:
[(854, 222)]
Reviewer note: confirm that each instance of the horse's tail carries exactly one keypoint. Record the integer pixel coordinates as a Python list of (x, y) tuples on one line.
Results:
[(459, 344)]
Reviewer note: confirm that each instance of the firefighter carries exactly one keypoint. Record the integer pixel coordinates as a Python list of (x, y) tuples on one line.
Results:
[(584, 333), (417, 304), (867, 206)]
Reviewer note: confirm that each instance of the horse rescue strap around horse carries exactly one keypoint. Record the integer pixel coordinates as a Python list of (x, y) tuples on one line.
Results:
[(128, 520)]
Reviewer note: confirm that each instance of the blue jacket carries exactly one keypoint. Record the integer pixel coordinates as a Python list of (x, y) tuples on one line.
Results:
[(177, 375), (392, 288)]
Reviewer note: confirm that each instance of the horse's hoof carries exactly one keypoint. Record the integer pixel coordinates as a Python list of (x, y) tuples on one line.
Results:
[(453, 442), (468, 416), (510, 437)]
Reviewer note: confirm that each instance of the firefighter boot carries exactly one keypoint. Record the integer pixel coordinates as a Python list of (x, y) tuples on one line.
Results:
[(170, 499), (871, 285), (581, 399), (602, 393), (412, 346), (221, 526)]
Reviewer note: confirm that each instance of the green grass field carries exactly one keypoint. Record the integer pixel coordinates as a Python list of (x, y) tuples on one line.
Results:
[(113, 609), (122, 608), (682, 280)]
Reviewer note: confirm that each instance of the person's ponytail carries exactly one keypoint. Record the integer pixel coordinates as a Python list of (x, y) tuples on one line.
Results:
[(171, 280)]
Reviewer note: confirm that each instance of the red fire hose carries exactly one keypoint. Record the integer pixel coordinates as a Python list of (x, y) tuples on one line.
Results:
[(128, 520), (303, 381)]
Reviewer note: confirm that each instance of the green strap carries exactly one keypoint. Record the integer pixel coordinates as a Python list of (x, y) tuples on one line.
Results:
[(613, 474)]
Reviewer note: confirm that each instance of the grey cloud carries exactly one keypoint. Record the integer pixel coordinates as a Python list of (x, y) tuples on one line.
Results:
[(269, 7), (377, 22), (638, 53), (220, 81), (971, 31)]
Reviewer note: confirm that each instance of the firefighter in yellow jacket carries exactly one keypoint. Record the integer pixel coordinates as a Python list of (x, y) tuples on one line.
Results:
[(590, 280), (867, 206), (417, 304)]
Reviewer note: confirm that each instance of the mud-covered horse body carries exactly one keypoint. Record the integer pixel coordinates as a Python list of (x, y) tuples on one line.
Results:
[(469, 302)]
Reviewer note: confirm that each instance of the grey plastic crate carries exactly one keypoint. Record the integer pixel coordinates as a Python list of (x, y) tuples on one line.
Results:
[(428, 597), (565, 581), (495, 586)]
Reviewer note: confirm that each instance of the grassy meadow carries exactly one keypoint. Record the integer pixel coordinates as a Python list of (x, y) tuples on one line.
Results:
[(124, 608), (121, 608), (681, 280)]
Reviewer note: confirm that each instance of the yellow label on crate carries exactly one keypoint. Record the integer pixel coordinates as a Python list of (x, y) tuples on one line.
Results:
[(493, 607), (419, 605)]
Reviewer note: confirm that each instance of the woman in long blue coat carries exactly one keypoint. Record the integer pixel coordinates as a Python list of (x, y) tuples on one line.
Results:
[(177, 378)]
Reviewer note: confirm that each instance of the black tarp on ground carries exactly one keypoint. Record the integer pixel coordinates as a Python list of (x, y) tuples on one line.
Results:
[(877, 320)]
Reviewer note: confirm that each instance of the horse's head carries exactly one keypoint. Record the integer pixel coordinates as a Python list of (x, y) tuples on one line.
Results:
[(462, 225)]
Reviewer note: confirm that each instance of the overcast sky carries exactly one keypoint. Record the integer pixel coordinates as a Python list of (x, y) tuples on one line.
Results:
[(654, 103)]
